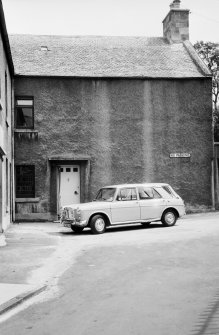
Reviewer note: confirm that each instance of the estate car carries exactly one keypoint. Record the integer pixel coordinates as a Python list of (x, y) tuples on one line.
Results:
[(125, 204)]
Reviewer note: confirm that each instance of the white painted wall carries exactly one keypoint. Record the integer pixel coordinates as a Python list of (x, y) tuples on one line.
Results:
[(6, 178)]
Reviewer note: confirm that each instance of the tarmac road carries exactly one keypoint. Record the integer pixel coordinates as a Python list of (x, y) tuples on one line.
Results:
[(130, 280)]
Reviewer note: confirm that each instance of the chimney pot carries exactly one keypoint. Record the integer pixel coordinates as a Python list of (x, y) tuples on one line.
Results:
[(175, 4)]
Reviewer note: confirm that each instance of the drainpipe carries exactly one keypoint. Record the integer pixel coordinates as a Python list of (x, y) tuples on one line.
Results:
[(212, 184), (216, 177)]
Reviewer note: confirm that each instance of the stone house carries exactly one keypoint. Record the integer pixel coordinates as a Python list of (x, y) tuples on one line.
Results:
[(92, 111), (6, 128)]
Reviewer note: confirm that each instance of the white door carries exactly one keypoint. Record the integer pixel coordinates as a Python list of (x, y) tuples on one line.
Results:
[(69, 185)]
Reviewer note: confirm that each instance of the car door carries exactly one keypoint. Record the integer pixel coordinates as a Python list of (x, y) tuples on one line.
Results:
[(151, 203), (126, 206)]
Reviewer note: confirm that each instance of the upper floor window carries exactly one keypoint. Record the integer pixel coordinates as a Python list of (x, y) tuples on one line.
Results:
[(24, 113)]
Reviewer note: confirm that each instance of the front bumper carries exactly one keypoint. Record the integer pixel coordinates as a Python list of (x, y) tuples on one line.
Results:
[(69, 223)]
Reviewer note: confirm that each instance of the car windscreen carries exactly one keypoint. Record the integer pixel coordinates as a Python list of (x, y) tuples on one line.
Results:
[(105, 194)]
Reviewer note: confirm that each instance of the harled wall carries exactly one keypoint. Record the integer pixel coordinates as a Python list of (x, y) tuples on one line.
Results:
[(127, 127)]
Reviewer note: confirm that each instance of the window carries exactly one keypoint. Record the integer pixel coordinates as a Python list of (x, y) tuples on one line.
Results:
[(148, 193), (105, 194), (24, 113), (25, 181), (168, 190), (127, 194)]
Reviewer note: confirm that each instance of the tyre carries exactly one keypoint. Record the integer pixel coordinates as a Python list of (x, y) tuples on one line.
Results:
[(169, 218), (145, 224), (77, 229), (98, 224)]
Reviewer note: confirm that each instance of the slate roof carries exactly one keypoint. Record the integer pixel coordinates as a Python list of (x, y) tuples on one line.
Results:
[(101, 56)]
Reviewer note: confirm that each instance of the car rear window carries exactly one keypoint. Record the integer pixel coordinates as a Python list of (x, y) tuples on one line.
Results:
[(166, 192)]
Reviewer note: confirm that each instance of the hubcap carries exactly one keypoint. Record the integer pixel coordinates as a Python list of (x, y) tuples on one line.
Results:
[(99, 224), (170, 218)]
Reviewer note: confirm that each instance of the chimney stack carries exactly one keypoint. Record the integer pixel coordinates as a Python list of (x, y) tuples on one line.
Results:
[(176, 23)]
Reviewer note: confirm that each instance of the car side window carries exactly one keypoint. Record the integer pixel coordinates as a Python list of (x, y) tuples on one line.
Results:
[(127, 194), (148, 193)]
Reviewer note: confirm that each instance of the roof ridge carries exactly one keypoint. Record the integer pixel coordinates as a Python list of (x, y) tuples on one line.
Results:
[(196, 59), (89, 36)]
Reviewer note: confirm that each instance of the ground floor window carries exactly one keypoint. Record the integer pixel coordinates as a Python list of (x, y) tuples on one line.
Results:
[(25, 181)]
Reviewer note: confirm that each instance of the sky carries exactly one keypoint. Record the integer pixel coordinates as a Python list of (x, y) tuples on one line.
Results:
[(107, 17)]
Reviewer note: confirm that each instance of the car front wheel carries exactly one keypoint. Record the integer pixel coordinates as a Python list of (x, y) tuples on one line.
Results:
[(169, 218), (98, 224)]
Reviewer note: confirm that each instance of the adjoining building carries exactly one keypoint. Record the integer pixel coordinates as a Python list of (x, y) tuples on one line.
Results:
[(6, 128), (92, 111)]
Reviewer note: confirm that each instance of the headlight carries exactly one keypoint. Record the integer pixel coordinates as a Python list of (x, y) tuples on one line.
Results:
[(71, 213), (78, 211)]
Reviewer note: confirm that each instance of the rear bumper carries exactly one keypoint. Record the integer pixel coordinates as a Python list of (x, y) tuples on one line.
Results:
[(181, 211)]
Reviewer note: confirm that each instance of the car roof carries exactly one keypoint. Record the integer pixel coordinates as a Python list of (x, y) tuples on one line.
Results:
[(136, 185)]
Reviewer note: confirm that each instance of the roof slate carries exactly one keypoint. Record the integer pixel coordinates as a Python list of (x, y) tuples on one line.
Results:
[(101, 56)]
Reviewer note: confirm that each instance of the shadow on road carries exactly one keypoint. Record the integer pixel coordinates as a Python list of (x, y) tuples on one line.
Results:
[(115, 229)]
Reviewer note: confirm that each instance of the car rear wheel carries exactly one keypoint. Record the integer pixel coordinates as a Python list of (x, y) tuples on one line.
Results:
[(169, 218), (77, 229), (98, 224)]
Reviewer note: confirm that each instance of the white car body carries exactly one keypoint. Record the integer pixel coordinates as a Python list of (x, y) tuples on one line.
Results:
[(129, 203)]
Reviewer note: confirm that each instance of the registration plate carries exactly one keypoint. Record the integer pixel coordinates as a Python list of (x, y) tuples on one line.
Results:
[(67, 225)]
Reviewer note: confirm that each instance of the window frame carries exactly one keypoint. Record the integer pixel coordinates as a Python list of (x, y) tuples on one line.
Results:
[(26, 97), (23, 195)]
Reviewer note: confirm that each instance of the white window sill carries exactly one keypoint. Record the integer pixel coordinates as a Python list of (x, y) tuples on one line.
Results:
[(25, 130), (27, 199)]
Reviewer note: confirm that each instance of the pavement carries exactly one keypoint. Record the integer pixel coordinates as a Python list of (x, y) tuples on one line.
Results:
[(25, 248)]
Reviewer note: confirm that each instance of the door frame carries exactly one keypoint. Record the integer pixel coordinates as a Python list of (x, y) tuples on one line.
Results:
[(54, 163)]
